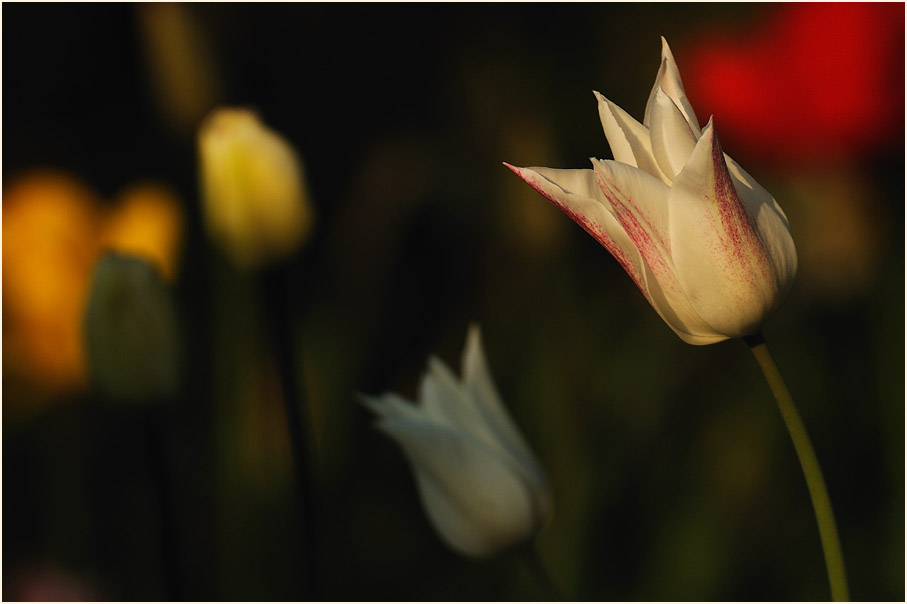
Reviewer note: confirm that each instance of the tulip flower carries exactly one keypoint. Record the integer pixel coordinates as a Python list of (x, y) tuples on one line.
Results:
[(54, 228), (256, 204), (481, 486), (708, 247), (131, 331), (146, 220)]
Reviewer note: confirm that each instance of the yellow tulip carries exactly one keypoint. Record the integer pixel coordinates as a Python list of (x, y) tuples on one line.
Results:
[(255, 202)]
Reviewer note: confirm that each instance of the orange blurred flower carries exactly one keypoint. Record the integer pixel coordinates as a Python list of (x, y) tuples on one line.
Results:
[(49, 223), (54, 228), (146, 221)]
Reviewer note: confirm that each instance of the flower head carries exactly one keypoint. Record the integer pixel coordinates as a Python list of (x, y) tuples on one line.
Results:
[(54, 228), (131, 331), (480, 484), (709, 248), (256, 203)]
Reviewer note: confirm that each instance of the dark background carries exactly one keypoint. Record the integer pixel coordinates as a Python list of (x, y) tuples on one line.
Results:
[(672, 473)]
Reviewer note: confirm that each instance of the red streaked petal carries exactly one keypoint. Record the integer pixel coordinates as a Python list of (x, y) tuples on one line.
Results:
[(577, 193), (721, 261), (640, 204)]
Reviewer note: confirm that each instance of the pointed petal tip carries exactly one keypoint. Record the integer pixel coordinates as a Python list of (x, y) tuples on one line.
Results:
[(473, 341), (514, 169), (472, 348), (474, 332), (373, 404), (434, 362), (599, 165), (711, 131), (665, 49), (529, 175), (603, 100)]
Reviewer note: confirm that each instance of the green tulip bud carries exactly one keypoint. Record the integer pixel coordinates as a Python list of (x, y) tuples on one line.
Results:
[(131, 331)]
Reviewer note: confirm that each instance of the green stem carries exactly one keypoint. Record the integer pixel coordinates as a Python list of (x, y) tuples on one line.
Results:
[(277, 297), (828, 532), (537, 568)]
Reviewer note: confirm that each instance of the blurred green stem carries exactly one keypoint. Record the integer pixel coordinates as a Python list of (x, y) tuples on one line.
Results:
[(278, 314), (537, 568), (828, 531)]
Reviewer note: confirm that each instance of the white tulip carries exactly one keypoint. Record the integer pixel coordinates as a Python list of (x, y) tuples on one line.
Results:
[(480, 484), (708, 247)]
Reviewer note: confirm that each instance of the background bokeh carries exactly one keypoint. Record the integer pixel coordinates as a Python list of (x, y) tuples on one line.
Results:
[(673, 475)]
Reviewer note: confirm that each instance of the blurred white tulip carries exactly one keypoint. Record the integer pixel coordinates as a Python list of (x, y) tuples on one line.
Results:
[(480, 484)]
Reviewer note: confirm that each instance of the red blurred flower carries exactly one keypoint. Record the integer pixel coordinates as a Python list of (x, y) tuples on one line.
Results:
[(811, 83)]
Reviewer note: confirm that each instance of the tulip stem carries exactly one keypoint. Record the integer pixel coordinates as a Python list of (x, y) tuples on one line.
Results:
[(275, 283), (538, 570), (828, 531)]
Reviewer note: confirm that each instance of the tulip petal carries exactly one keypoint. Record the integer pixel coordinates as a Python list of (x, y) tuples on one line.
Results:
[(577, 193), (445, 402), (629, 140), (478, 382), (675, 309), (391, 405), (672, 139), (473, 498), (640, 204), (771, 222), (668, 80), (722, 263)]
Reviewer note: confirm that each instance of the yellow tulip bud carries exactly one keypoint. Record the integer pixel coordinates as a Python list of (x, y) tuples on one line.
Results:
[(256, 206)]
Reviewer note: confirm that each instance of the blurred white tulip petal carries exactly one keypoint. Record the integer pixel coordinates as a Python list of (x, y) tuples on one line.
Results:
[(480, 484)]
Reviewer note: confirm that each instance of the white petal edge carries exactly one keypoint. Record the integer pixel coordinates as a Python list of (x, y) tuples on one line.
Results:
[(772, 224), (629, 140), (668, 79), (446, 402), (478, 380), (672, 139), (390, 405)]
